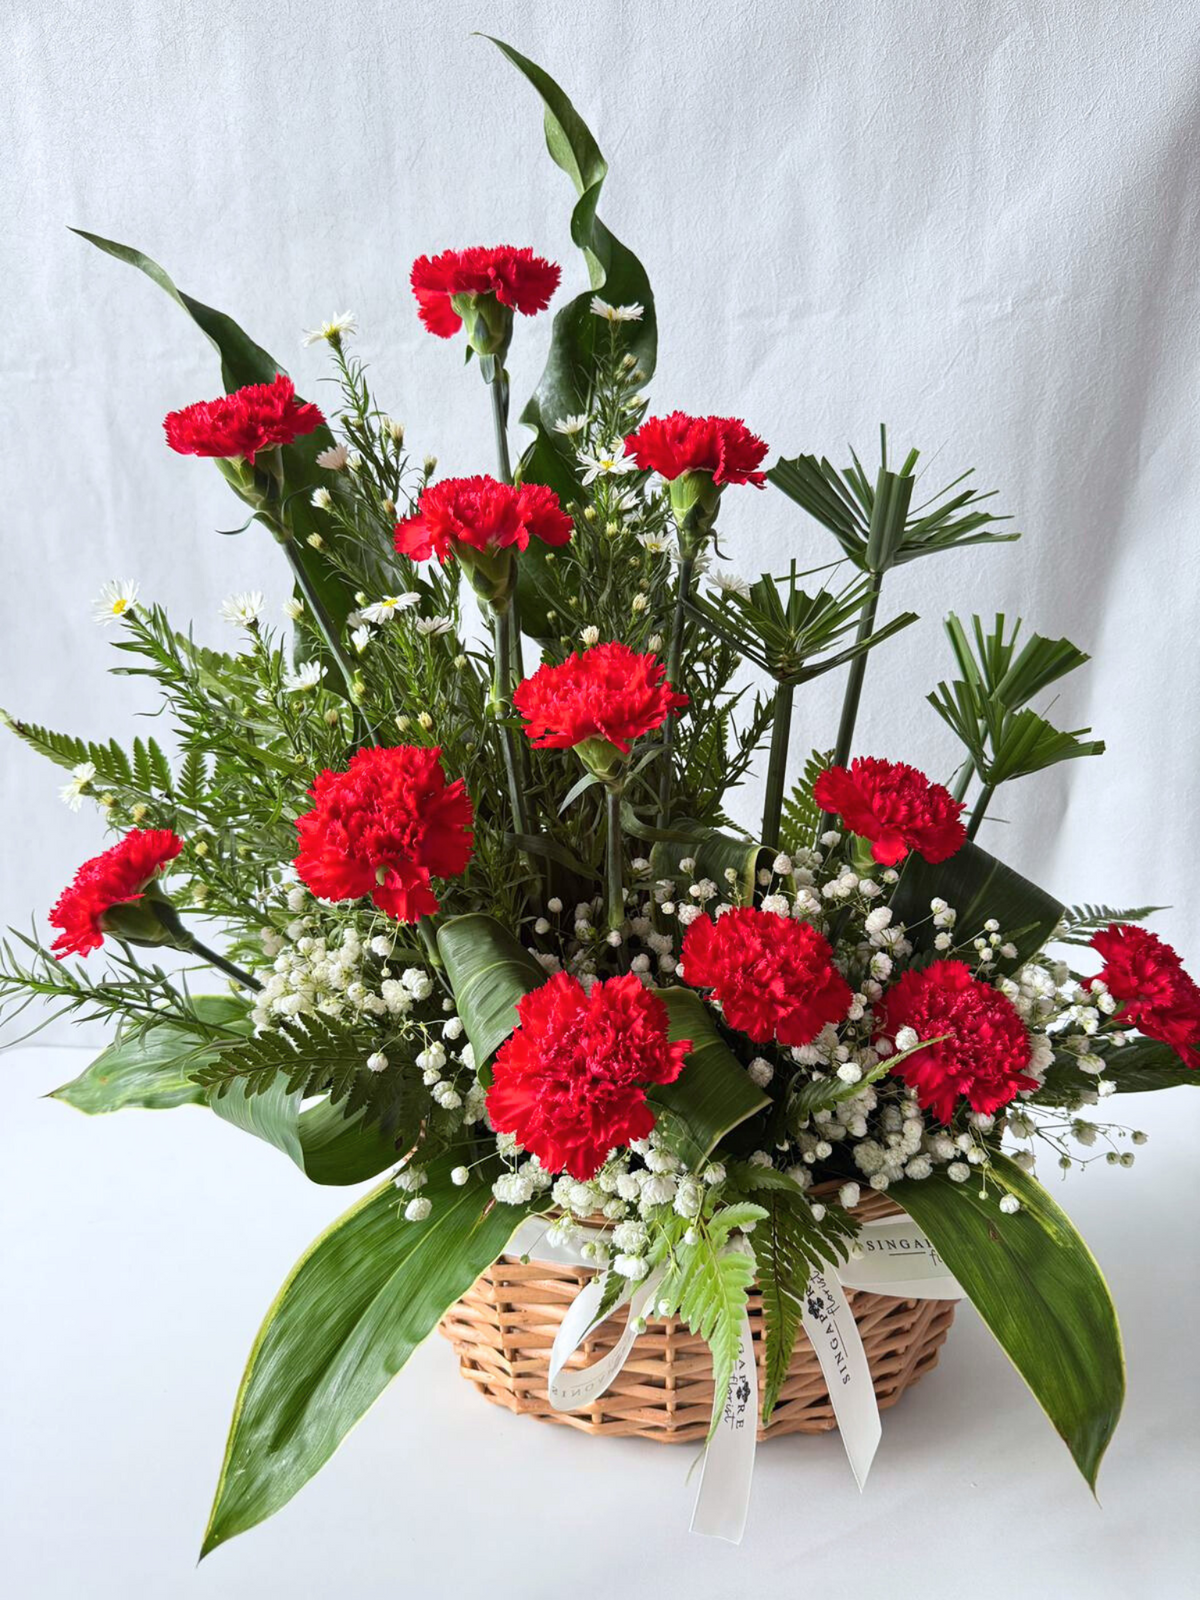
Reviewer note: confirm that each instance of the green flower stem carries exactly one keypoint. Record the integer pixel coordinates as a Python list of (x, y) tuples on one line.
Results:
[(781, 729), (498, 384), (502, 658), (854, 683), (981, 805), (193, 946), (613, 873), (687, 565), (328, 632)]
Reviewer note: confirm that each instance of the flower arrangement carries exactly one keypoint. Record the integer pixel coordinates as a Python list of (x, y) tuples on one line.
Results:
[(486, 931)]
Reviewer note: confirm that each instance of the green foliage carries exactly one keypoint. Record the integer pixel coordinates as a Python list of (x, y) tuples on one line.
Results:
[(355, 1307), (331, 1143), (801, 824), (1036, 1285), (706, 1287), (489, 971), (790, 1244), (244, 362), (783, 635), (987, 706), (1136, 1067), (1079, 923), (872, 521), (153, 1068), (577, 335), (712, 1095), (978, 886)]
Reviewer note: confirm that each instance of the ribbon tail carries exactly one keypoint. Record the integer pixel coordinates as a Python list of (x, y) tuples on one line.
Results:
[(830, 1326), (727, 1470)]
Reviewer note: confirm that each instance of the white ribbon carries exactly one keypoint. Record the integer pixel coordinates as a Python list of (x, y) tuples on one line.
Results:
[(893, 1257)]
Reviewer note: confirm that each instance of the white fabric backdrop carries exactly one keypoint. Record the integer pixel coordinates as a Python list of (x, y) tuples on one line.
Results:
[(974, 221)]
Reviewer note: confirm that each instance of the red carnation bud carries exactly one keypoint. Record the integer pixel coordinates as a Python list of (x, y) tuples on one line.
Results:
[(112, 893), (480, 288), (895, 807), (384, 827), (775, 978), (1157, 996), (239, 425), (570, 1082), (983, 1047), (482, 521), (597, 702)]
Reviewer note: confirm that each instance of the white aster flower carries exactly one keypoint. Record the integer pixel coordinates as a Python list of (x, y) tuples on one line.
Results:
[(114, 600), (344, 322), (384, 610), (360, 639), (431, 626), (243, 610), (608, 461), (335, 458), (601, 308), (571, 425), (732, 583), (293, 609), (656, 544), (298, 680), (81, 776)]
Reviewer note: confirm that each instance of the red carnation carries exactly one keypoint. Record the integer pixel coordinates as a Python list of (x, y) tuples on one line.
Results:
[(481, 514), (258, 417), (517, 278), (894, 806), (383, 828), (115, 878), (775, 979), (1158, 997), (676, 444), (986, 1050), (570, 1081), (608, 692)]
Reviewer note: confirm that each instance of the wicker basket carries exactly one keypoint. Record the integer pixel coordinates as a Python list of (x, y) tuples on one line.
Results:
[(503, 1327)]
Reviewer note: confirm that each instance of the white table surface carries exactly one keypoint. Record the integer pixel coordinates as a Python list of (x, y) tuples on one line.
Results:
[(142, 1249)]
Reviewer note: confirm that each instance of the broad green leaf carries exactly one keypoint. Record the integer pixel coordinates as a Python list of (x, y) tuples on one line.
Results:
[(978, 887), (713, 1092), (326, 1145), (355, 1307), (244, 362), (715, 853), (613, 271), (489, 971), (1138, 1067), (152, 1069), (1036, 1285)]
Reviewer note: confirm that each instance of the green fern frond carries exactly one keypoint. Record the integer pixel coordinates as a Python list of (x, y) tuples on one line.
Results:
[(1079, 923), (801, 818)]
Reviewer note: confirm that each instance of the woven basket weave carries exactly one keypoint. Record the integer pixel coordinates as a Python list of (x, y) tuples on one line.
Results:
[(503, 1327)]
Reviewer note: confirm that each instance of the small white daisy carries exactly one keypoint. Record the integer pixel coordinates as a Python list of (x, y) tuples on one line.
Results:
[(297, 680), (601, 308), (656, 544), (345, 322), (335, 458), (608, 461), (243, 610), (293, 609), (732, 583), (81, 777), (384, 610), (114, 600), (360, 639), (571, 425), (434, 625)]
